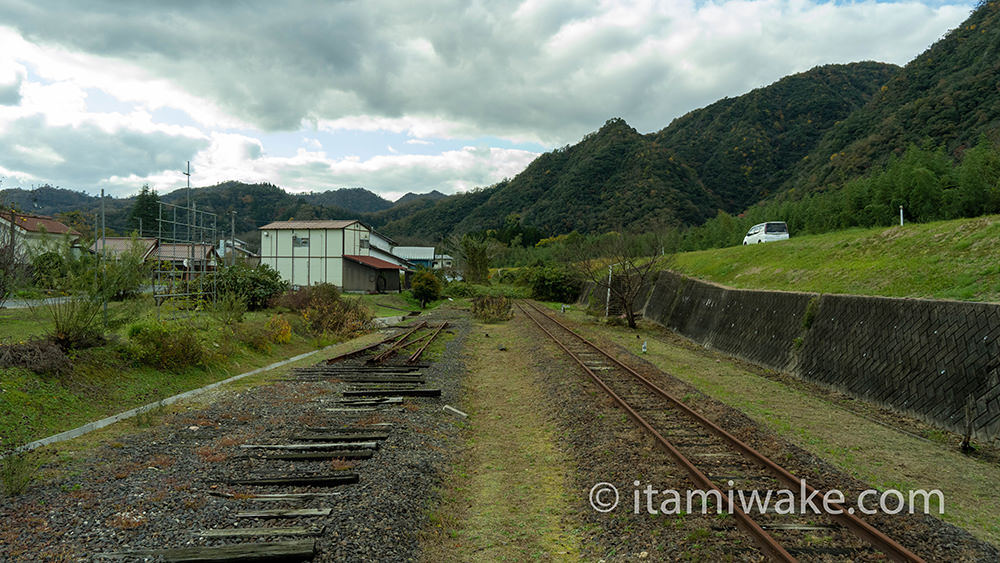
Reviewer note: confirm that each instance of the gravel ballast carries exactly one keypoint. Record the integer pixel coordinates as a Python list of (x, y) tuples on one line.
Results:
[(158, 487)]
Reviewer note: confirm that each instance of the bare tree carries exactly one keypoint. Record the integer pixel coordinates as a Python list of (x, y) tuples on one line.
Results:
[(622, 267), (13, 260)]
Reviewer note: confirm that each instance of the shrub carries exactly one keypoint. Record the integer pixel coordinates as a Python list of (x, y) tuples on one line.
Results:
[(228, 308), (48, 269), (168, 346), (40, 356), (426, 287), (256, 336), (490, 309), (343, 317), (459, 289), (256, 286), (551, 283), (325, 312), (281, 331), (76, 322), (302, 298)]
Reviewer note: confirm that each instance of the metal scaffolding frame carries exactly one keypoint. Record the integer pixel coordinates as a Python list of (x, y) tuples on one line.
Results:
[(183, 257)]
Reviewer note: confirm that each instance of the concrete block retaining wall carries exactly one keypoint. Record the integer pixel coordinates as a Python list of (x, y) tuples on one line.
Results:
[(923, 357)]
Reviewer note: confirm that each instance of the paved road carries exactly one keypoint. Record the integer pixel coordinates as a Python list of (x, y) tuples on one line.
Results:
[(25, 303)]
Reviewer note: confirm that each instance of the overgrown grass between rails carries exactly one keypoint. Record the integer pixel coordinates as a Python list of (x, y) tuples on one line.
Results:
[(943, 260), (506, 498)]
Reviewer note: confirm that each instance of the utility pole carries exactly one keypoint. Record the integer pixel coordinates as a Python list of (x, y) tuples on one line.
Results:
[(232, 234), (188, 174), (104, 252)]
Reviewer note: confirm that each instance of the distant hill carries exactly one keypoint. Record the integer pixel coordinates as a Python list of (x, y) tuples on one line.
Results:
[(410, 197), (47, 200), (946, 96), (359, 200)]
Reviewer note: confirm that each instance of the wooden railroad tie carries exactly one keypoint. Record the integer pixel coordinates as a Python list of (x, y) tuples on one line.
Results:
[(260, 551), (393, 392), (313, 456), (285, 513), (261, 532), (343, 437), (332, 480)]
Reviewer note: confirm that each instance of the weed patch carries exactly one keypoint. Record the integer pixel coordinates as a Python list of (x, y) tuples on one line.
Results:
[(492, 309), (18, 470)]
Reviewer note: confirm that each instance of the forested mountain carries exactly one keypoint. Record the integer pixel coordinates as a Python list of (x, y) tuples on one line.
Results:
[(724, 156), (743, 148), (354, 199), (48, 200), (948, 96), (432, 195)]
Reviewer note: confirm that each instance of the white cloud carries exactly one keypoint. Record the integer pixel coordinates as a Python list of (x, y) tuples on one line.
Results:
[(546, 71), (538, 71)]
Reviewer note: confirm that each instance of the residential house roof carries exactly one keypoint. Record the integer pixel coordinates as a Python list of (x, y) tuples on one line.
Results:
[(172, 251), (311, 224), (38, 224), (414, 252), (373, 262), (116, 246)]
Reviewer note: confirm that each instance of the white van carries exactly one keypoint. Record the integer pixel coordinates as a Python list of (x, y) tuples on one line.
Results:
[(766, 232)]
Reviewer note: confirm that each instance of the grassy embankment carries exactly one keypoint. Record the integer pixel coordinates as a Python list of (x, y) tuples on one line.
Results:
[(109, 379), (941, 260)]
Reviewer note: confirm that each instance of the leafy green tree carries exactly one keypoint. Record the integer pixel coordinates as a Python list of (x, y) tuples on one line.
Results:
[(474, 254), (426, 287), (256, 286), (146, 211)]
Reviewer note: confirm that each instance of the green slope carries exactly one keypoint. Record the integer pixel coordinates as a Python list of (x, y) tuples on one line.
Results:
[(948, 96), (743, 148), (942, 260)]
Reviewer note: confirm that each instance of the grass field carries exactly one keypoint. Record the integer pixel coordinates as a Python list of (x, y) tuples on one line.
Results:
[(942, 260), (393, 304)]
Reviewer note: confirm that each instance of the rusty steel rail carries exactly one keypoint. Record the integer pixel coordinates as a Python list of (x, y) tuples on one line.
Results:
[(416, 355), (346, 355), (765, 541), (395, 349), (399, 343)]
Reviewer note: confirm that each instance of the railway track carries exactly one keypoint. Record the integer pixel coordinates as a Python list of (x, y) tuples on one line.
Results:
[(303, 466), (715, 460)]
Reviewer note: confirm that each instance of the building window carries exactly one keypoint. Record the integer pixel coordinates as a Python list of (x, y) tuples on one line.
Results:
[(364, 243), (300, 242)]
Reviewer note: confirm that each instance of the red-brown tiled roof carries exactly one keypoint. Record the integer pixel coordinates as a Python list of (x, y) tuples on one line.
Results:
[(373, 262), (39, 223)]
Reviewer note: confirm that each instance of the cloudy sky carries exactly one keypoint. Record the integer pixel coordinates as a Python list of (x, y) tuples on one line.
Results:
[(393, 96)]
